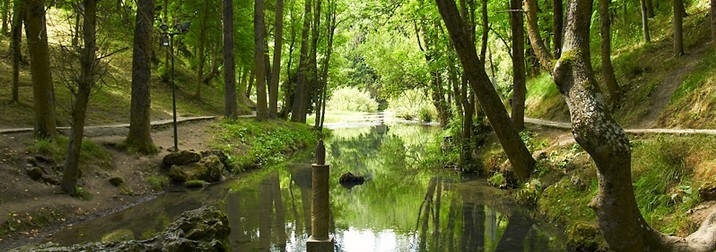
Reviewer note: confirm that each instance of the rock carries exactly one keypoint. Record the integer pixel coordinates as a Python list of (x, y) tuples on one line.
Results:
[(116, 181), (708, 192), (118, 235), (193, 184), (35, 173), (203, 229), (349, 180), (181, 158), (209, 169)]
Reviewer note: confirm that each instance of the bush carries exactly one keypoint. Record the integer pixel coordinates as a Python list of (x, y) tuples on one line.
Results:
[(351, 99), (413, 104)]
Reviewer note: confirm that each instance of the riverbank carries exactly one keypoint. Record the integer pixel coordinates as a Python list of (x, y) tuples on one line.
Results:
[(114, 179)]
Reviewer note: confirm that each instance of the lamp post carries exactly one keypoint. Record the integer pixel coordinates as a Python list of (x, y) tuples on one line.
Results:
[(167, 40)]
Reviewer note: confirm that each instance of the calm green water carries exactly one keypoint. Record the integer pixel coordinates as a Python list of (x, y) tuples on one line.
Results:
[(400, 208)]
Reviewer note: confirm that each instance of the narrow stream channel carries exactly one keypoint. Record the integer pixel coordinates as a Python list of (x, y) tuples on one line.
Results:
[(400, 208)]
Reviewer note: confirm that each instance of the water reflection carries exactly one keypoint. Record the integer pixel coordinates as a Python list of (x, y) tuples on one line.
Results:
[(400, 207)]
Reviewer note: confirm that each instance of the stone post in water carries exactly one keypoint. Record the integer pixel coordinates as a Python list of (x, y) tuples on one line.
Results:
[(320, 241)]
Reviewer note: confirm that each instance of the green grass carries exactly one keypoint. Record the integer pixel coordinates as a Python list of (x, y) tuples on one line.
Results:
[(253, 144), (544, 100), (91, 153)]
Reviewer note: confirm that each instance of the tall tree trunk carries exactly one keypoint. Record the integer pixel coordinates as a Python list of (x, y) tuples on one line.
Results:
[(5, 15), (517, 153), (650, 9), (485, 32), (557, 21), (678, 27), (620, 221), (543, 54), (519, 87), (140, 137), (645, 21), (85, 84), (202, 48), (331, 30), (288, 87), (276, 73), (16, 34), (712, 13), (231, 106), (260, 60), (298, 112), (607, 70), (42, 86), (313, 81)]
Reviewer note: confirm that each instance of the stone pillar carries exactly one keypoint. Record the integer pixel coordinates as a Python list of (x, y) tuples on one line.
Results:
[(320, 241)]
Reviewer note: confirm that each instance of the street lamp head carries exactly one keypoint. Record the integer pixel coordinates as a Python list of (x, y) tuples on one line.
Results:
[(164, 27), (183, 27), (164, 40)]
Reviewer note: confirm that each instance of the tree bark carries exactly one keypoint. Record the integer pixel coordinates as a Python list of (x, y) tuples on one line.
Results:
[(645, 21), (678, 28), (140, 137), (519, 86), (517, 153), (202, 48), (650, 9), (620, 221), (607, 70), (5, 15), (231, 106), (42, 85), (276, 72), (300, 98), (16, 34), (260, 60), (543, 55), (85, 84), (331, 30), (558, 20), (712, 13)]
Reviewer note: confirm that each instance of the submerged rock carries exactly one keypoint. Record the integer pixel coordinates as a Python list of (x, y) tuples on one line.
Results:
[(349, 180), (203, 229), (181, 158)]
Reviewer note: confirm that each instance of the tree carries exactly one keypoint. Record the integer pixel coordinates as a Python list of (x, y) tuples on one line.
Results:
[(203, 20), (276, 72), (520, 158), (557, 30), (678, 27), (231, 104), (140, 137), (300, 100), (42, 87), (85, 82), (644, 21), (712, 13), (593, 127), (5, 15), (519, 75), (607, 70), (260, 60), (16, 34)]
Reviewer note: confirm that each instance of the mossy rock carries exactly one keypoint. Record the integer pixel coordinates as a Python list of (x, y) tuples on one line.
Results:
[(181, 158), (119, 235), (209, 169), (584, 236)]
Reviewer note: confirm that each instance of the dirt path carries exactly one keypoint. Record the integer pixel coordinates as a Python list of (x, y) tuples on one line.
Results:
[(660, 97), (568, 126)]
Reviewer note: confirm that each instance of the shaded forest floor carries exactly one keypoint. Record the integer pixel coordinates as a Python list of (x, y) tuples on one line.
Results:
[(31, 209)]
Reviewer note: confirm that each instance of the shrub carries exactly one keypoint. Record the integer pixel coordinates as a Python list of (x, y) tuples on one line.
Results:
[(413, 104), (351, 99)]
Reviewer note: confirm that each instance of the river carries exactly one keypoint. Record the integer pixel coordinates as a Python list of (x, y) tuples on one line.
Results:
[(401, 207)]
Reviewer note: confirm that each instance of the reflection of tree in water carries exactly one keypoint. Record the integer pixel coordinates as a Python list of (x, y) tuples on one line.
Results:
[(257, 217), (472, 223)]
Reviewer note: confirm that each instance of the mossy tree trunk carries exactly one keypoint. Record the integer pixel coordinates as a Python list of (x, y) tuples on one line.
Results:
[(260, 60), (203, 20), (645, 21), (519, 75), (231, 104), (140, 137), (520, 158), (42, 85), (276, 72), (607, 70), (85, 83), (678, 27), (557, 26), (16, 36), (620, 221)]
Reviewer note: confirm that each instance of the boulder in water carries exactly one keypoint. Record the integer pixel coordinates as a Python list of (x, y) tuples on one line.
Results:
[(349, 180)]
